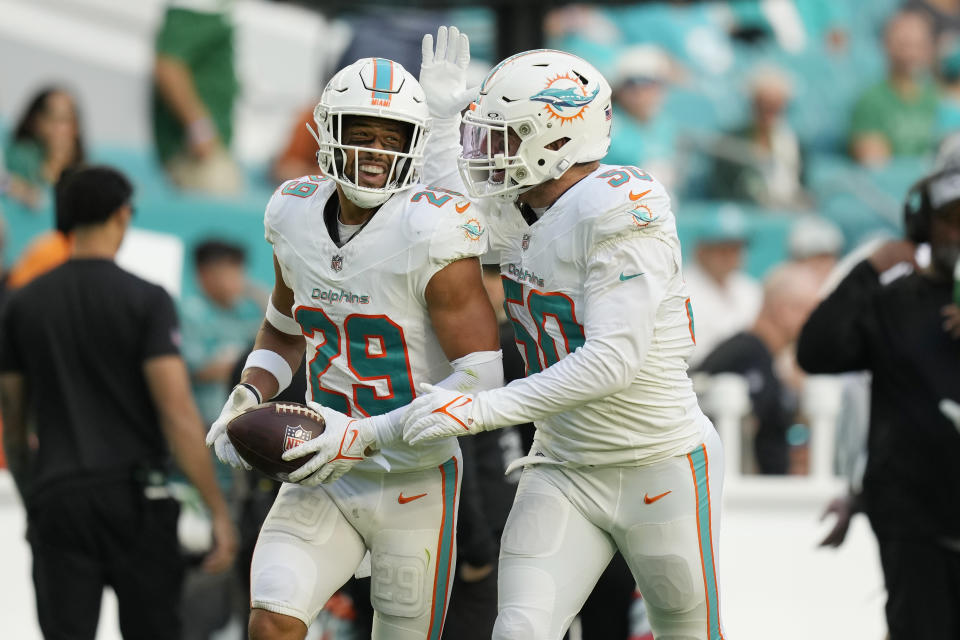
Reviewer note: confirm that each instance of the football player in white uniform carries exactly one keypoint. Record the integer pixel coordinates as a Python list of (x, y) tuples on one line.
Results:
[(591, 266), (378, 278)]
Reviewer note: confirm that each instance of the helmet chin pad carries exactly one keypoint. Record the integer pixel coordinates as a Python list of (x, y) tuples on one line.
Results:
[(363, 198)]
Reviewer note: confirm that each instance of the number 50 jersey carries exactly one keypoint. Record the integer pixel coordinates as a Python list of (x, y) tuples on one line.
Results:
[(595, 292), (361, 307)]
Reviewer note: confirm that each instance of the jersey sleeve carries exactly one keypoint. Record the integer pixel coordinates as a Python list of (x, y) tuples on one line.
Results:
[(162, 332), (271, 212), (628, 271), (458, 231)]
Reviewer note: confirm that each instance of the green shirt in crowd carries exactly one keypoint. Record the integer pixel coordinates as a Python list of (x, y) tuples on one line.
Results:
[(204, 43), (908, 124)]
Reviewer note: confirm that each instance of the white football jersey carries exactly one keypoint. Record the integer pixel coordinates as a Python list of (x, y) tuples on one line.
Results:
[(370, 342), (596, 295)]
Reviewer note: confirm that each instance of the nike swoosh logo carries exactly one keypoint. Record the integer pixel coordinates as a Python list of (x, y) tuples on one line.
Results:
[(637, 196), (624, 278), (461, 207), (648, 500), (403, 500), (353, 433)]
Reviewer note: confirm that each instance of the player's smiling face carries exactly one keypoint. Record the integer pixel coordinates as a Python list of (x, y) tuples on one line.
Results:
[(371, 168)]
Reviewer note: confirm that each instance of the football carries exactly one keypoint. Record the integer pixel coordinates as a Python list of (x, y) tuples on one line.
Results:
[(263, 433)]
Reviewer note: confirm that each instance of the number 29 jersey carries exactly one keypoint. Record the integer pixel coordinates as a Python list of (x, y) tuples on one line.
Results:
[(361, 306), (595, 292)]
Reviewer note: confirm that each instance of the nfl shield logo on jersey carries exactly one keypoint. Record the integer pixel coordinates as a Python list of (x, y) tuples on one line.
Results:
[(295, 436), (525, 243), (336, 263)]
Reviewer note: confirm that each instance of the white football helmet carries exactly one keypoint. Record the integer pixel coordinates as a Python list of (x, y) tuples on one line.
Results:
[(373, 87), (534, 99)]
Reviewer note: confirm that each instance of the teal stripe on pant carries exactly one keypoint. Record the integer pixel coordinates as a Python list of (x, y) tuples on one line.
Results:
[(441, 583), (699, 466)]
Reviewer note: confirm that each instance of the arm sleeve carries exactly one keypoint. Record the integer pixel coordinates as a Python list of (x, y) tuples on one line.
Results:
[(162, 332), (442, 151), (618, 327), (833, 338)]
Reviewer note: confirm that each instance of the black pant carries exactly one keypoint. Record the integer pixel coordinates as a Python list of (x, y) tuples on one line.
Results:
[(923, 589), (85, 536), (473, 608)]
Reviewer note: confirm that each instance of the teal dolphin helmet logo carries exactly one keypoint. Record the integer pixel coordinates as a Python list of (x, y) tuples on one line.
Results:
[(565, 97)]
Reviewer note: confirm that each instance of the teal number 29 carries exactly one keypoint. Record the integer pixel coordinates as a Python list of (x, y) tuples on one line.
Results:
[(375, 349)]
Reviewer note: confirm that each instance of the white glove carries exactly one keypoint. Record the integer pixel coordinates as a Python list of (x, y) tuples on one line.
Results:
[(951, 410), (239, 400), (443, 73), (439, 413), (335, 451)]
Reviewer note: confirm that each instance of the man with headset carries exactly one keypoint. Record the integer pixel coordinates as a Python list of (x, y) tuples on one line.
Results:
[(907, 335)]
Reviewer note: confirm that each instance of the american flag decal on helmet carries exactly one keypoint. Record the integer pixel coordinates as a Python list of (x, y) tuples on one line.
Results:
[(608, 113)]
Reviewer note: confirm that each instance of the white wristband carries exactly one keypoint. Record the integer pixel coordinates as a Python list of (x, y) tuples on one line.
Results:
[(274, 363), (284, 324)]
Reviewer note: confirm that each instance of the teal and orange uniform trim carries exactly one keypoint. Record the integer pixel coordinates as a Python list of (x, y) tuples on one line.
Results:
[(700, 467), (449, 479)]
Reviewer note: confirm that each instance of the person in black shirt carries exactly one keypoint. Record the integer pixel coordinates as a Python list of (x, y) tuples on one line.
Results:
[(89, 359), (790, 293), (906, 334)]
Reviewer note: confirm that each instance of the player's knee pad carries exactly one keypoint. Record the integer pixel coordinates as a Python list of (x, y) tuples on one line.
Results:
[(304, 512), (282, 579), (514, 623), (400, 564), (527, 603), (536, 525), (665, 560)]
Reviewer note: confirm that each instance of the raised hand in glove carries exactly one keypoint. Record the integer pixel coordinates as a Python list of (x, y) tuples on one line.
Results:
[(240, 399), (443, 72), (343, 443), (439, 413)]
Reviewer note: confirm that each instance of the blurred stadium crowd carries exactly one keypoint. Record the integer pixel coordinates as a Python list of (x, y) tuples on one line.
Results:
[(787, 131)]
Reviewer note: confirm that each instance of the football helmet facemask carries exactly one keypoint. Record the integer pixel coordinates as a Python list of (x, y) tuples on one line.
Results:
[(373, 88), (529, 102)]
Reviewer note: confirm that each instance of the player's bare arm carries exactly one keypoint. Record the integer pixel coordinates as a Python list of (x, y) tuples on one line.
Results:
[(15, 443), (290, 347), (169, 386), (460, 310), (277, 352)]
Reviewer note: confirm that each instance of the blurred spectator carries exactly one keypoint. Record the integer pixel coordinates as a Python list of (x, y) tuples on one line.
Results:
[(762, 163), (217, 325), (948, 113), (45, 141), (817, 243), (725, 300), (644, 135), (219, 322), (897, 115), (89, 359), (195, 86), (944, 16), (48, 250), (789, 295), (299, 156)]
